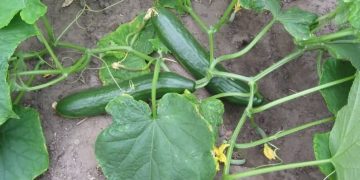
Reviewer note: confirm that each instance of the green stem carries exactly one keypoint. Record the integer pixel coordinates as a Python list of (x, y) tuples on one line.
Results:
[(123, 48), (283, 133), (276, 168), (40, 72), (231, 75), (50, 83), (328, 37), (154, 86), (225, 16), (248, 47), (278, 64), (51, 52), (300, 94), (28, 83), (237, 130), (228, 94), (29, 55), (211, 44), (48, 28), (197, 19), (71, 46), (201, 83)]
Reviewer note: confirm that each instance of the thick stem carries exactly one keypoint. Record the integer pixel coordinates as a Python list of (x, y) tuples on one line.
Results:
[(154, 86), (211, 44), (248, 47), (328, 37), (48, 28), (231, 75), (50, 83), (123, 48), (276, 168), (300, 94), (225, 16), (278, 64), (29, 55), (71, 46), (283, 133), (51, 52), (40, 72)]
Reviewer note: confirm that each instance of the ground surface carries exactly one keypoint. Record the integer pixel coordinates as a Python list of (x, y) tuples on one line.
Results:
[(71, 143)]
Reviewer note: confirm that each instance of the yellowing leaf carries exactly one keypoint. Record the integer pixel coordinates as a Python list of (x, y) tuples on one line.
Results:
[(269, 152)]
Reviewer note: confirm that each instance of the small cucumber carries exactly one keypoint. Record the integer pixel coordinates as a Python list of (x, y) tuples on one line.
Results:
[(193, 57), (92, 102)]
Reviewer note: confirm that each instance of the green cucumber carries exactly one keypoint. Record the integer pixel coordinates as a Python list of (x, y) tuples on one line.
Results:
[(92, 102), (193, 57)]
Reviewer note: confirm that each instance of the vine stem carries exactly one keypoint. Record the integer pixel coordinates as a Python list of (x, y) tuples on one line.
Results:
[(123, 48), (230, 75), (283, 133), (154, 86), (328, 37), (224, 18), (51, 52), (300, 94), (276, 168), (197, 19), (280, 63), (247, 48), (228, 94), (237, 130)]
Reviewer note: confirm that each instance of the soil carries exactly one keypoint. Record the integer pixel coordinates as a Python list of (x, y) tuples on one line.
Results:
[(71, 142)]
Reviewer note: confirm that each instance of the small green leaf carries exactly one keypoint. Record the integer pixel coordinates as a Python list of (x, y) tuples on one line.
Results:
[(346, 51), (159, 46), (23, 150), (298, 22), (136, 34), (31, 11), (10, 37), (322, 151), (345, 136), (175, 145), (336, 97)]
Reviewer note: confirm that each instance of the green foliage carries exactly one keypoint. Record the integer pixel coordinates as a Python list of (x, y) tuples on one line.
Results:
[(346, 51), (136, 34), (23, 150), (175, 145), (10, 37), (345, 136), (336, 96), (30, 11), (348, 11), (322, 151), (159, 46), (298, 22)]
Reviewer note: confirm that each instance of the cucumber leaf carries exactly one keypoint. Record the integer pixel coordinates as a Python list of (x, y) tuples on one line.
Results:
[(346, 51), (345, 136), (30, 11), (10, 37), (136, 146), (130, 65), (23, 150), (336, 96), (322, 151), (258, 5), (298, 22), (348, 11), (174, 4)]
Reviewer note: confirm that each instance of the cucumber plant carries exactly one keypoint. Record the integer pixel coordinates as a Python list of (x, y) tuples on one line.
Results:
[(175, 138)]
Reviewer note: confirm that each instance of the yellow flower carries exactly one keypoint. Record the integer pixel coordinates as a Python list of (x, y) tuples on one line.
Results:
[(220, 155), (269, 152)]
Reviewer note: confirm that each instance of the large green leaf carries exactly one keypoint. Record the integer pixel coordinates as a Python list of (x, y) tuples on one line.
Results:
[(298, 22), (176, 145), (336, 96), (354, 15), (10, 37), (322, 151), (346, 51), (123, 37), (348, 11), (345, 136), (23, 153), (30, 10)]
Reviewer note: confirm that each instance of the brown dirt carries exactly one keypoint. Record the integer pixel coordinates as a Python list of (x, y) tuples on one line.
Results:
[(71, 143)]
